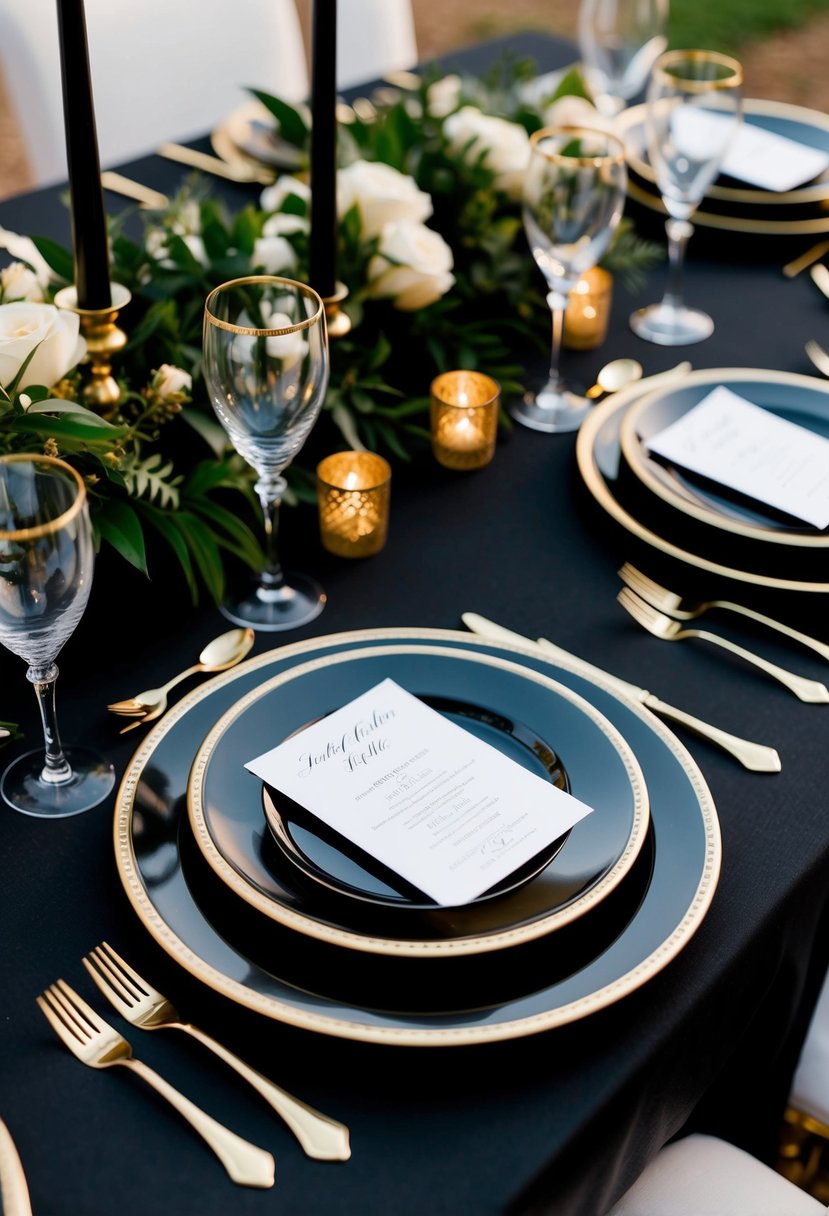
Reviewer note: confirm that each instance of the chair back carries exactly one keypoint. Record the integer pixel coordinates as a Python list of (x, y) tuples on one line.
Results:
[(161, 69), (373, 37)]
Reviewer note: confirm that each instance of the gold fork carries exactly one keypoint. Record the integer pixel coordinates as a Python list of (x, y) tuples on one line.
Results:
[(144, 1006), (97, 1044), (683, 609), (661, 626)]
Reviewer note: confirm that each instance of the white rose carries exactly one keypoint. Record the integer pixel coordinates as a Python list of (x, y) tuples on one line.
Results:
[(169, 380), (505, 145), (412, 266), (18, 282), (24, 250), (273, 254), (272, 197), (572, 111), (285, 224), (55, 333), (443, 96), (187, 221), (382, 195)]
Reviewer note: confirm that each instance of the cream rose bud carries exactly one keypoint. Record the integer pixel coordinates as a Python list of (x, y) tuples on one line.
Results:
[(443, 96), (272, 197), (18, 282), (505, 145), (412, 265), (24, 249), (169, 380), (55, 333), (284, 224), (288, 348), (382, 195), (576, 112), (273, 254)]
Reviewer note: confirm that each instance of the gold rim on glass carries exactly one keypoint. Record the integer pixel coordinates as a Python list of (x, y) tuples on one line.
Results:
[(561, 158), (53, 525), (257, 331), (663, 70)]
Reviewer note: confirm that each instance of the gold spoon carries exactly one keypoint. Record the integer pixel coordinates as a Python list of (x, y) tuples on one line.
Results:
[(615, 375), (219, 655)]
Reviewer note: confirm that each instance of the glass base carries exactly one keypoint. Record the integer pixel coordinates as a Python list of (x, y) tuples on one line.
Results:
[(92, 779), (297, 600), (668, 325), (553, 410)]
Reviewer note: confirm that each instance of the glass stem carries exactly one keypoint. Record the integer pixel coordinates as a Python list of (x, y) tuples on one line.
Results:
[(270, 490), (557, 303), (56, 769), (679, 233)]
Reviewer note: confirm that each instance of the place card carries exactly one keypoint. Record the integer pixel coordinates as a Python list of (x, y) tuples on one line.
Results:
[(430, 800), (753, 451), (754, 155)]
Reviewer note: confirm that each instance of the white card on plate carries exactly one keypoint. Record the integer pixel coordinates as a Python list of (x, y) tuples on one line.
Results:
[(753, 155), (438, 806), (747, 448)]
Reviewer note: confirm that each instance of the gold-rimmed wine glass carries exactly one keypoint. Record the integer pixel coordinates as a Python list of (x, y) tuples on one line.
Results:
[(620, 40), (693, 112), (573, 198), (266, 367), (46, 562)]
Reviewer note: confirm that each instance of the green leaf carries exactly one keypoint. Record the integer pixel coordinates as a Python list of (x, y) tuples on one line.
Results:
[(68, 426), (56, 257), (290, 123), (205, 553), (119, 524), (211, 431), (165, 525)]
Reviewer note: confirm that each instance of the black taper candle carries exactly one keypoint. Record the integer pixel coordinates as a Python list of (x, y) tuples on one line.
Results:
[(89, 229), (323, 250)]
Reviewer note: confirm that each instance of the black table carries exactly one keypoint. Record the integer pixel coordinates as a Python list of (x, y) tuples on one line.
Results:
[(559, 1122)]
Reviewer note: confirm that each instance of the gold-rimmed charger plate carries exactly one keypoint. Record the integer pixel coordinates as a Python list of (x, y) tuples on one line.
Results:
[(598, 456), (150, 811), (800, 399), (802, 125), (706, 217), (225, 802)]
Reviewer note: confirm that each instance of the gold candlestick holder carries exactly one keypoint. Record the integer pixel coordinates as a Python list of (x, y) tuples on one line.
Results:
[(104, 339), (337, 320)]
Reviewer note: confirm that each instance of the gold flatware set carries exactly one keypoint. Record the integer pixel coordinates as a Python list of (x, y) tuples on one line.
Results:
[(97, 1044), (220, 654)]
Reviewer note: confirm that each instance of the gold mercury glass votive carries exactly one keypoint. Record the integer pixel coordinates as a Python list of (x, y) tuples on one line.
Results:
[(588, 310), (464, 419), (353, 492)]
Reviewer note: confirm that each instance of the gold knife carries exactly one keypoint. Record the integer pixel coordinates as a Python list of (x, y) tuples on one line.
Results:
[(139, 193), (14, 1192), (238, 171), (755, 756)]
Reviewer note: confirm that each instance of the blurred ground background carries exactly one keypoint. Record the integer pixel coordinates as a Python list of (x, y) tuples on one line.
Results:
[(783, 45)]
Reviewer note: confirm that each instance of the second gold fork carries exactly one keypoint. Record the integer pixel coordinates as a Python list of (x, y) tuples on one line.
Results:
[(322, 1137)]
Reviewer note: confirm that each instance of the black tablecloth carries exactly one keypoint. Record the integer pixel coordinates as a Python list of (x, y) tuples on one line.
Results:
[(559, 1122)]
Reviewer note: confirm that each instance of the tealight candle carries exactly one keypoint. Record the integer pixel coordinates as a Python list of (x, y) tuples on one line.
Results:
[(464, 419), (588, 310), (353, 492)]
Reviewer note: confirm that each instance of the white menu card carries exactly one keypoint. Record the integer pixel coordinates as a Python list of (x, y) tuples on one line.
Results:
[(749, 449), (754, 155), (430, 800)]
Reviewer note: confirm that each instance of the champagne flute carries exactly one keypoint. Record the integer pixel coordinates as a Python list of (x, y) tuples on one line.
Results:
[(693, 112), (620, 40), (46, 560), (573, 197), (266, 368)]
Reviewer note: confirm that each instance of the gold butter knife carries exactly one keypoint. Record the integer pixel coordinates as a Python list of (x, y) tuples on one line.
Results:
[(234, 171), (755, 756), (147, 197), (14, 1192)]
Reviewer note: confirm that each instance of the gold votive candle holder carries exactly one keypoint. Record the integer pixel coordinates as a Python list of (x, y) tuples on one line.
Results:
[(464, 419), (353, 495), (588, 310)]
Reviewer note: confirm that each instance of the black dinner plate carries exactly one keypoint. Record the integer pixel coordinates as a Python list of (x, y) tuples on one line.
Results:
[(224, 801), (685, 866)]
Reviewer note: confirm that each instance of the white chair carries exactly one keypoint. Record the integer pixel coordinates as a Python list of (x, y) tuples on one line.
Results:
[(810, 1087), (705, 1176), (161, 69), (374, 37)]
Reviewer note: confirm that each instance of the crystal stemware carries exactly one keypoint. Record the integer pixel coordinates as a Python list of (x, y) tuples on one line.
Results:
[(693, 111), (620, 40), (46, 561), (266, 368), (573, 198)]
